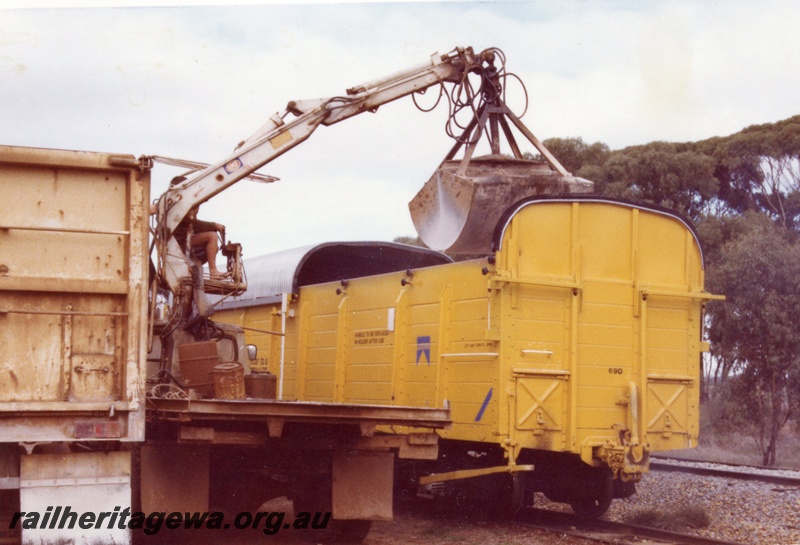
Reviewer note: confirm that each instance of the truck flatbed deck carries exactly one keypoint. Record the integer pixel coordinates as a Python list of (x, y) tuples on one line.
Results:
[(321, 425), (296, 411)]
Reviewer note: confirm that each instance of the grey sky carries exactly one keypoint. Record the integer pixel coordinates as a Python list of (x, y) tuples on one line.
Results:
[(191, 82)]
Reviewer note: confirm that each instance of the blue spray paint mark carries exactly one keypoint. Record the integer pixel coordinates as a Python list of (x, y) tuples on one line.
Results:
[(424, 348), (483, 407)]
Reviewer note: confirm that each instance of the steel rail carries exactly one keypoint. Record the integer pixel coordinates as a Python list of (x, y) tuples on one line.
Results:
[(740, 475), (567, 523)]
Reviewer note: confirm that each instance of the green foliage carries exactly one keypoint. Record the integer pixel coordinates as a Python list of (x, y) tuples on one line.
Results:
[(668, 175), (578, 157), (717, 230), (757, 326), (722, 414), (758, 169), (760, 274)]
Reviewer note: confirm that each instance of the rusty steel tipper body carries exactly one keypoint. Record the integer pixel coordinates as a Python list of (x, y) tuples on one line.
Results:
[(573, 348), (73, 295), (73, 324)]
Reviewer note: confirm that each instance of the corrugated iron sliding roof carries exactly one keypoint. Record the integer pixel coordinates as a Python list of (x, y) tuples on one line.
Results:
[(269, 276)]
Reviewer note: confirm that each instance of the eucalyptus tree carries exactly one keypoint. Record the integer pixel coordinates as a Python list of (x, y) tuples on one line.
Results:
[(758, 326)]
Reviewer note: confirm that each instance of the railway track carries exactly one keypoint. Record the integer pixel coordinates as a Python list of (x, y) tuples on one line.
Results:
[(564, 523), (607, 531), (781, 486), (728, 471)]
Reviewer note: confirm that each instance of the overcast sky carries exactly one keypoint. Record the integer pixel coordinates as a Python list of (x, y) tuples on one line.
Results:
[(191, 82)]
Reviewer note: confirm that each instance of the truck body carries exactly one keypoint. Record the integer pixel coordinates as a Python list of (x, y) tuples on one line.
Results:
[(73, 325), (73, 296), (85, 424)]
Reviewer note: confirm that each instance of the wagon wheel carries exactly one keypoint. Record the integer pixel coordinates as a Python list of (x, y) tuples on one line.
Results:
[(496, 495), (597, 506), (510, 494)]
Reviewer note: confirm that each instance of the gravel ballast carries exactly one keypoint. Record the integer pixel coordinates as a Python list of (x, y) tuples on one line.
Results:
[(744, 511)]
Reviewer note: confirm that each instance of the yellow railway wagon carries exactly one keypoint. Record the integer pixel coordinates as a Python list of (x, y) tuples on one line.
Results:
[(566, 357)]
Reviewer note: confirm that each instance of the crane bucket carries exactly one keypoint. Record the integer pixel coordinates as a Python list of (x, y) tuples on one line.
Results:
[(457, 211)]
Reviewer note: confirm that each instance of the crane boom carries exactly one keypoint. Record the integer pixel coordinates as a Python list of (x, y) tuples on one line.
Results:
[(277, 136)]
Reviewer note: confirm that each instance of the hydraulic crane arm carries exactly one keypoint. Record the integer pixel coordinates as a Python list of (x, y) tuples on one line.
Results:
[(278, 135)]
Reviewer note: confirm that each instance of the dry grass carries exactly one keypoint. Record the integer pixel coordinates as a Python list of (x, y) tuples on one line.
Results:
[(727, 449), (737, 448)]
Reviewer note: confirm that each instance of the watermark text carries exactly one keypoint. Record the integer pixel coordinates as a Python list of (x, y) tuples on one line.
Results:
[(63, 517)]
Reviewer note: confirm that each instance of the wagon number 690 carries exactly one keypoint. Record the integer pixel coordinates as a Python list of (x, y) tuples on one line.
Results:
[(615, 370)]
